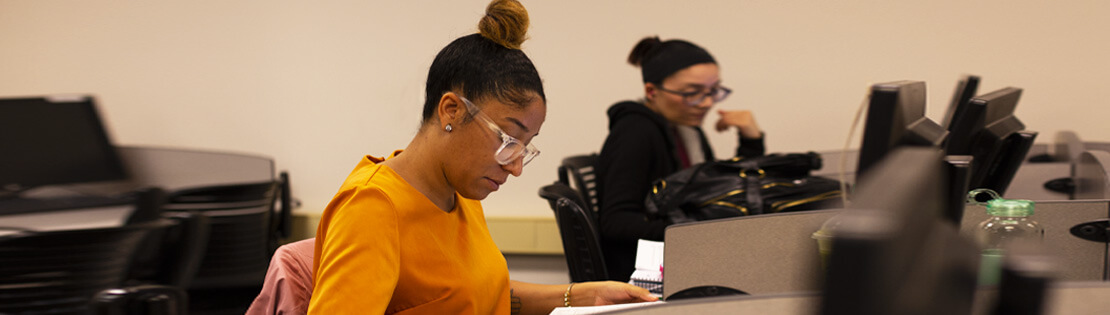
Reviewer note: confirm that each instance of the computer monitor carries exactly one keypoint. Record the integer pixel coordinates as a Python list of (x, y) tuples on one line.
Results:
[(53, 140), (987, 130), (896, 117), (892, 252), (965, 90)]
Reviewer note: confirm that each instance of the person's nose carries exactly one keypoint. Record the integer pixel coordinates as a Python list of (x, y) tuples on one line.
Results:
[(516, 167)]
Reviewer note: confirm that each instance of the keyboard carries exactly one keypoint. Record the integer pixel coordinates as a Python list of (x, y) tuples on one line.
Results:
[(30, 205)]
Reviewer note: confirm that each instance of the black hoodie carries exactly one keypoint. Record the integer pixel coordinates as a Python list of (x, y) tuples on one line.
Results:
[(640, 148)]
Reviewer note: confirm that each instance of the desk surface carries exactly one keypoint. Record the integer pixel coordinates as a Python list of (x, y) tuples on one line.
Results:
[(1063, 298)]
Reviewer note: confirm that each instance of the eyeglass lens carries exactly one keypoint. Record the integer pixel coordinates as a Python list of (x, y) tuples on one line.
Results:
[(718, 94)]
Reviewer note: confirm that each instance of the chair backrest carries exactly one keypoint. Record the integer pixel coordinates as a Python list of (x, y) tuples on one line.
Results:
[(169, 256), (241, 235), (59, 272), (580, 172), (578, 228), (288, 284)]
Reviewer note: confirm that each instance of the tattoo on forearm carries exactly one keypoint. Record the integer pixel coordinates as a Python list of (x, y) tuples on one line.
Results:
[(514, 303)]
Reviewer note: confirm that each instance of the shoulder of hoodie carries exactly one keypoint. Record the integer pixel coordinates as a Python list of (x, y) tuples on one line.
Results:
[(634, 113)]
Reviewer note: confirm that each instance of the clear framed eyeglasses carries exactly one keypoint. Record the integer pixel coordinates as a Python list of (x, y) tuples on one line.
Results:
[(511, 148), (718, 93)]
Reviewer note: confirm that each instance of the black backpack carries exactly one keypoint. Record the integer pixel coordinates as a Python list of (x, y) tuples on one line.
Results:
[(743, 186)]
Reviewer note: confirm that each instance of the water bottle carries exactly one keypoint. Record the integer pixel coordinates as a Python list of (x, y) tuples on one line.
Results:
[(1009, 224)]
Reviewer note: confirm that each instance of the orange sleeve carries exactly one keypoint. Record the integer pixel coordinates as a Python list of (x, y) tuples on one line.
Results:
[(357, 254)]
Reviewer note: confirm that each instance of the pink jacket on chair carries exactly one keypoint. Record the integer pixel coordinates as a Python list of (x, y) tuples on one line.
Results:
[(288, 284)]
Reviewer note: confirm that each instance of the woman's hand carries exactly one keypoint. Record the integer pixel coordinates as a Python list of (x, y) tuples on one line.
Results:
[(607, 292), (741, 119)]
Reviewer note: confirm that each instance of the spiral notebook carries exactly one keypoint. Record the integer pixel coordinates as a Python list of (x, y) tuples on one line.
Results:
[(649, 267)]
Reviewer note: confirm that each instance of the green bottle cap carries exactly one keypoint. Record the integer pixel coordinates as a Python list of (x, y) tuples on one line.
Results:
[(1010, 207)]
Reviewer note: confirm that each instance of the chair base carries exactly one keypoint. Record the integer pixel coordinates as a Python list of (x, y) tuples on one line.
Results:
[(222, 301)]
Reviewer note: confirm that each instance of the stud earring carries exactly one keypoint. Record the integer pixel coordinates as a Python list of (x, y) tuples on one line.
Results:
[(448, 128)]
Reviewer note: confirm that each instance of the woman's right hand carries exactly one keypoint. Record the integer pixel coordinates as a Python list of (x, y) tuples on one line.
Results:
[(607, 293), (743, 120)]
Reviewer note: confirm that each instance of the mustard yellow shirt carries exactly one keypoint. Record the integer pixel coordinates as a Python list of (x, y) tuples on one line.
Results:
[(384, 248)]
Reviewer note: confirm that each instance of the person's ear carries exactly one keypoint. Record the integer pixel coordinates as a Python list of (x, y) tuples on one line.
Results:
[(649, 91), (449, 110)]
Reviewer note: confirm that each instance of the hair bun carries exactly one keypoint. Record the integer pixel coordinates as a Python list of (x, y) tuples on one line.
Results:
[(640, 51), (505, 23)]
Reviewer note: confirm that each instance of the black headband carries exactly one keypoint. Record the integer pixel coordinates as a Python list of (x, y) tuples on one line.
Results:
[(670, 57)]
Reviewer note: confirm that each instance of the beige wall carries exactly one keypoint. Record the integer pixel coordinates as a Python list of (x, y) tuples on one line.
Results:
[(317, 84)]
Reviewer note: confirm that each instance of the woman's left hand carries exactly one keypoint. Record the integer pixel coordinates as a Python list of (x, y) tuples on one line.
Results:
[(607, 292)]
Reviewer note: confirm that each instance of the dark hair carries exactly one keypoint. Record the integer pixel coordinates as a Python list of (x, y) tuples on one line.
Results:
[(488, 63), (658, 59)]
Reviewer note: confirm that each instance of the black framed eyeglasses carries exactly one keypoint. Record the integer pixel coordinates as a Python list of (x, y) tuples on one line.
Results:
[(694, 98), (511, 148)]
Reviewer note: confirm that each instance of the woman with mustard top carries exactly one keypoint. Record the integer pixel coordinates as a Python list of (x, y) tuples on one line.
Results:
[(406, 233)]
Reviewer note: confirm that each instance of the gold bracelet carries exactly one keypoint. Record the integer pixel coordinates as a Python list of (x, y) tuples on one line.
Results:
[(566, 295)]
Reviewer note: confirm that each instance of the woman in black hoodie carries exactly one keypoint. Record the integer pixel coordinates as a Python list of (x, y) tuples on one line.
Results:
[(659, 135)]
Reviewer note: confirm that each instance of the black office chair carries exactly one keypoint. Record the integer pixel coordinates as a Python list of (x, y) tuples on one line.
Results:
[(580, 172), (241, 239), (578, 228), (58, 272), (239, 194), (169, 256)]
